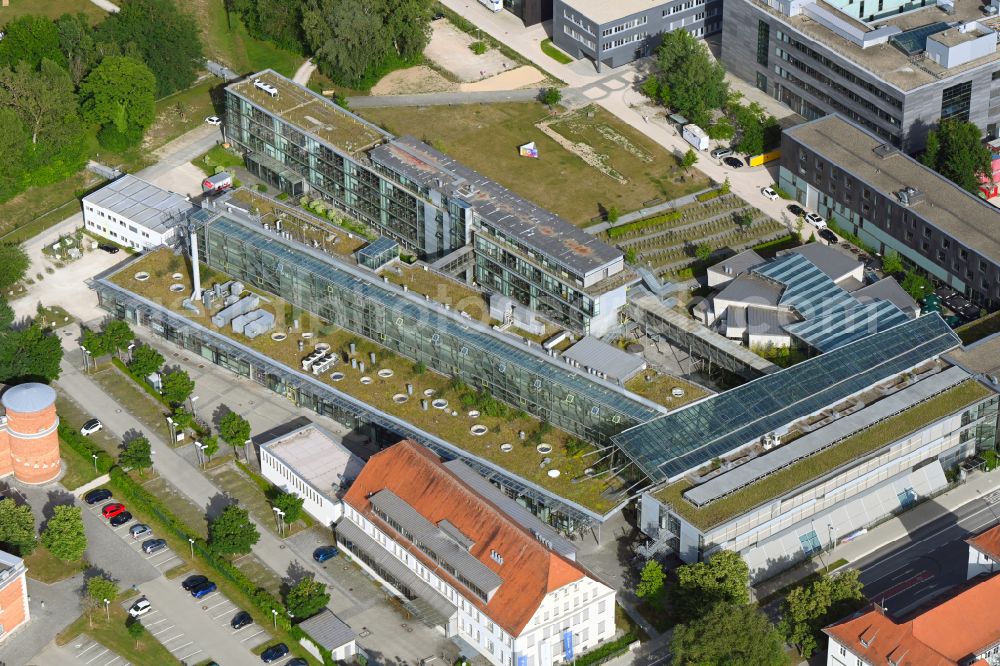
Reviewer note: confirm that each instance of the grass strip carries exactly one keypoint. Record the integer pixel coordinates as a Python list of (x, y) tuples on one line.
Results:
[(552, 51)]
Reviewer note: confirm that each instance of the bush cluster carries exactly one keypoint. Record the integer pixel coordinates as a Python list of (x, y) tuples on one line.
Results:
[(74, 440)]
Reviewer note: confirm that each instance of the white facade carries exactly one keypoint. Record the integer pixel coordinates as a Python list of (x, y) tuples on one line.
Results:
[(980, 562), (607, 305), (134, 213), (585, 607), (324, 509)]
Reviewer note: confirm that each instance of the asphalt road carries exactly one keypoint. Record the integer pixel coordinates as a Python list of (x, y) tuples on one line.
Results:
[(910, 573)]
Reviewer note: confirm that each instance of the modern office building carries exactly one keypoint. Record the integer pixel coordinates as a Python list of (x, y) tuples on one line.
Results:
[(134, 213), (617, 33), (532, 12), (14, 611), (29, 441), (892, 202), (785, 466), (300, 142), (895, 67), (468, 567)]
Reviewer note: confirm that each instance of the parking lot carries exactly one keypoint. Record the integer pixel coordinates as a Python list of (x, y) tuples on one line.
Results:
[(91, 653)]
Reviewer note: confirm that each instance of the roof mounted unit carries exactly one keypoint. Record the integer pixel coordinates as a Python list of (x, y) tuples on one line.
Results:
[(909, 196)]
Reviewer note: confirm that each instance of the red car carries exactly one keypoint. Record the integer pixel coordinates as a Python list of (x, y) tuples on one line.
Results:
[(112, 510)]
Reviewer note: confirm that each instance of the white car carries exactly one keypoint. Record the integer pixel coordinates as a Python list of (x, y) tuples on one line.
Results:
[(91, 426), (769, 193), (816, 220), (140, 608), (213, 120)]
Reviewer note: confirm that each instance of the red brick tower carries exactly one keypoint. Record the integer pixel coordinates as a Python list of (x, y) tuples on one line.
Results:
[(31, 440)]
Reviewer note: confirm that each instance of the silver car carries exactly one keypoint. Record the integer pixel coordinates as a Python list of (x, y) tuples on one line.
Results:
[(719, 153), (140, 530)]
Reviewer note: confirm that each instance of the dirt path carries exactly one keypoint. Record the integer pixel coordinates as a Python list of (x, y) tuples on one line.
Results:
[(512, 79), (303, 73)]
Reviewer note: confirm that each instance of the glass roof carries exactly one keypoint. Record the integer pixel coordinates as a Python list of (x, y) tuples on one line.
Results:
[(688, 438), (914, 41), (438, 320)]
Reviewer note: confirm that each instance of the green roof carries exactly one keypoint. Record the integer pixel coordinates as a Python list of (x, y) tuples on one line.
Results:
[(859, 444)]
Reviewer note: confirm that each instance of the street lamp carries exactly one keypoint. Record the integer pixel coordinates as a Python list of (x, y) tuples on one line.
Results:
[(833, 531), (193, 400), (279, 516), (94, 456), (191, 541), (202, 447), (86, 358), (130, 348), (173, 432), (275, 614), (107, 609)]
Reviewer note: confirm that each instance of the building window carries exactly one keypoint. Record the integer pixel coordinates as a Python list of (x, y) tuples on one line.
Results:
[(955, 101), (761, 82), (810, 542), (907, 498), (763, 37)]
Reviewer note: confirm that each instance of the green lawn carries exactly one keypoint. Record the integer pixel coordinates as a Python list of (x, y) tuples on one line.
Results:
[(851, 448), (47, 568), (38, 208), (216, 157), (234, 482), (189, 513), (78, 469), (74, 416), (486, 137), (51, 8), (231, 45), (113, 635), (142, 406), (554, 52)]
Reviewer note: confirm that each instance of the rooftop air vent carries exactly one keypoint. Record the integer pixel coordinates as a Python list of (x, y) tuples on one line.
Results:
[(909, 196)]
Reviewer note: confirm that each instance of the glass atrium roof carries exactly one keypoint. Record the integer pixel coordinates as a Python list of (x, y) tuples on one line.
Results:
[(690, 437)]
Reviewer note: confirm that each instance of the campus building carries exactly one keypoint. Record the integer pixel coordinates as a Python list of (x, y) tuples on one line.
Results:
[(29, 441), (895, 67), (300, 142), (984, 552), (14, 610), (466, 566), (892, 202), (617, 33), (134, 213), (787, 465)]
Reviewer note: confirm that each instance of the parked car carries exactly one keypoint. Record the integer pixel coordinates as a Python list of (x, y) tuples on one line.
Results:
[(733, 162), (796, 210), (274, 653), (203, 590), (112, 510), (298, 661), (324, 553), (769, 193), (828, 236), (192, 582), (110, 249), (140, 530), (240, 620), (214, 120), (719, 153), (95, 496), (140, 608), (151, 546), (816, 220), (120, 519), (90, 427)]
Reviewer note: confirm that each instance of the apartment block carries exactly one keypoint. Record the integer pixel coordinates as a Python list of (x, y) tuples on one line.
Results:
[(617, 33), (897, 68), (892, 202)]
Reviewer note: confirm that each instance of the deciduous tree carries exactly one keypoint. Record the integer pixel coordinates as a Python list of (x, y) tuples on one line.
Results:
[(137, 455), (234, 429), (145, 361), (290, 504), (687, 78), (306, 598), (232, 533), (177, 386), (135, 629), (722, 579), (64, 535), (808, 608), (956, 150), (651, 580), (118, 335), (76, 41), (730, 634), (17, 527), (29, 355), (30, 39), (891, 263), (120, 94), (13, 260)]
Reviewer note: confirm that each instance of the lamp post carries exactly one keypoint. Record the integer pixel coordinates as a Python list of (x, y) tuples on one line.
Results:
[(833, 530), (202, 447), (279, 516), (274, 612), (246, 450), (173, 432), (94, 456), (130, 348), (86, 359), (191, 542), (107, 609), (193, 400)]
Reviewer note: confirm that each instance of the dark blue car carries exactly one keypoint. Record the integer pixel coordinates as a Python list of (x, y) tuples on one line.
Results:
[(202, 590), (274, 653), (324, 553)]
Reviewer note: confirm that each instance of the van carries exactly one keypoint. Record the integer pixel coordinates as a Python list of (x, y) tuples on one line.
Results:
[(493, 5)]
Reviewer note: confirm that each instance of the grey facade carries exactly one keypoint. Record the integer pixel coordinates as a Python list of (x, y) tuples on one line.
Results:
[(531, 12), (851, 177), (617, 33), (856, 70)]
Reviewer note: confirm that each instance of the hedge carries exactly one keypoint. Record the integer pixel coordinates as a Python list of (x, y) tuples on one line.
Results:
[(615, 232), (607, 651), (74, 440), (711, 194), (141, 381)]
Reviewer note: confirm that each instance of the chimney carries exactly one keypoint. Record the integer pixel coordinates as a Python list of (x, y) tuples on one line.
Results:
[(196, 271)]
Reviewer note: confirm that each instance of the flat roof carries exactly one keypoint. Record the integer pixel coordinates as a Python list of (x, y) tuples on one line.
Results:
[(141, 202), (830, 259), (886, 61), (605, 11), (954, 36), (328, 630), (817, 440), (317, 457), (738, 263), (595, 354), (887, 289), (684, 440), (963, 216), (310, 112), (559, 240)]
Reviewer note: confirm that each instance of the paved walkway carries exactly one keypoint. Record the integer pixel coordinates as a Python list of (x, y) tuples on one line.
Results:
[(107, 6), (443, 98), (304, 71)]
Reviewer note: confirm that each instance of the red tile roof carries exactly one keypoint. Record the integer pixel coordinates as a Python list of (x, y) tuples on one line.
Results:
[(945, 635), (529, 570), (987, 542)]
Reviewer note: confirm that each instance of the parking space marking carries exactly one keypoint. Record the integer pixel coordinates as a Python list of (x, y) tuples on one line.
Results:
[(259, 632), (210, 595), (108, 663), (181, 646), (173, 638), (188, 655), (163, 630), (88, 648), (98, 655), (221, 603)]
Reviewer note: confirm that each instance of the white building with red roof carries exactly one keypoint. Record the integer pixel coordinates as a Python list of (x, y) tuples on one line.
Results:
[(984, 552), (461, 563)]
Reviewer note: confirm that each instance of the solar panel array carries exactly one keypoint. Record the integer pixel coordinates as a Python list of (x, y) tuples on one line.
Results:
[(690, 437)]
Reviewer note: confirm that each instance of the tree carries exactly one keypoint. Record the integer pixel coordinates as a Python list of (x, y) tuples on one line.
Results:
[(956, 151), (6, 315), (29, 354), (306, 598), (30, 39), (94, 342), (689, 159), (613, 214), (651, 579), (100, 588), (135, 629), (120, 95), (137, 455), (279, 21), (145, 361), (15, 146), (118, 335), (290, 504), (550, 96), (64, 535), (891, 263), (76, 41), (43, 98), (234, 429), (211, 444), (722, 579), (163, 36), (687, 77), (13, 261), (703, 252), (730, 634), (808, 608), (916, 285), (17, 527), (177, 386), (232, 533)]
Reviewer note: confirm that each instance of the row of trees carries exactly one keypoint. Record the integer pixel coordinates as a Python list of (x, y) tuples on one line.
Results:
[(63, 535), (27, 351), (63, 81)]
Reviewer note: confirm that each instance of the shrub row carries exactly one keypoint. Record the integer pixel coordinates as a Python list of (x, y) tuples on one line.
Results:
[(74, 440), (615, 232), (141, 381), (607, 651), (711, 194)]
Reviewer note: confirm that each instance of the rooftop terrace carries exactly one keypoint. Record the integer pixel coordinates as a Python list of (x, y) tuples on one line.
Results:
[(310, 112), (966, 218), (807, 469)]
